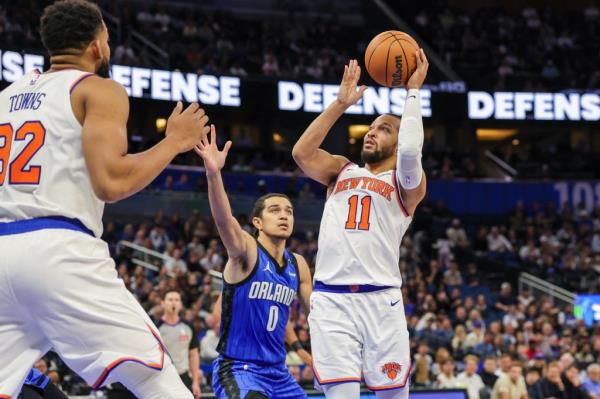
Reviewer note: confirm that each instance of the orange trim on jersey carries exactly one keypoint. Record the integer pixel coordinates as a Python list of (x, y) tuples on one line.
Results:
[(401, 385), (118, 362), (398, 195), (334, 380), (342, 171), (5, 397)]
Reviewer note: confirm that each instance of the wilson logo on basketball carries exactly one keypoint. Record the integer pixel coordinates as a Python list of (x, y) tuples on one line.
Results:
[(391, 369), (397, 76)]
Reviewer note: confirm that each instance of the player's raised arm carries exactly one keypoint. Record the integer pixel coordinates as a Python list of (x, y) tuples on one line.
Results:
[(314, 161), (239, 244), (103, 107), (410, 139)]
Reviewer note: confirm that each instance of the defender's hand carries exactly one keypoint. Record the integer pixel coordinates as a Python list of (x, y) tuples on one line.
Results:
[(348, 95), (187, 127), (418, 77), (305, 357), (196, 390), (214, 160)]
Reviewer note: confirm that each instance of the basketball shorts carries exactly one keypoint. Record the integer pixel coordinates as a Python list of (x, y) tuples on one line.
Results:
[(234, 379), (59, 289), (359, 336)]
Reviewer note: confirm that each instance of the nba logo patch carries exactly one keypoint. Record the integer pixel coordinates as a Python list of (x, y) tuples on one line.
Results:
[(391, 370), (34, 79)]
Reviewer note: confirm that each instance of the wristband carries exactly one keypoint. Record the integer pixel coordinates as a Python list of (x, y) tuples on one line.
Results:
[(296, 346)]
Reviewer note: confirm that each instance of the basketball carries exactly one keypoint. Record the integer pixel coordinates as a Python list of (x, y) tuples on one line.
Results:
[(390, 58)]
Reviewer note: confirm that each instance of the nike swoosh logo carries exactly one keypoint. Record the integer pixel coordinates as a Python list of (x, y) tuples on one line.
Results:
[(394, 303), (412, 96)]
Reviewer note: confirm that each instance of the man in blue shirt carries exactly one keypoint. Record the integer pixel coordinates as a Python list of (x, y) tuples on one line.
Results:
[(592, 383)]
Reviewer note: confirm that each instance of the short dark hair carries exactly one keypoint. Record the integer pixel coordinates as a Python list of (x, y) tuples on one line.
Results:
[(259, 206), (167, 292), (70, 24)]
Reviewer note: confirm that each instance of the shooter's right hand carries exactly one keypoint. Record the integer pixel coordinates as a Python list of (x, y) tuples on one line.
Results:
[(348, 95)]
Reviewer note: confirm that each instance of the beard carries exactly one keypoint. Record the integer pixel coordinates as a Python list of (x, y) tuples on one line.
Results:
[(104, 69), (376, 155)]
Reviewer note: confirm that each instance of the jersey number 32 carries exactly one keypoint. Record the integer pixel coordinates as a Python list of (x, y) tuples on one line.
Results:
[(17, 167)]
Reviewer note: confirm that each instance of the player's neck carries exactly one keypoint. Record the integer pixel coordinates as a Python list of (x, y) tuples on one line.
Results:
[(380, 167), (274, 246), (171, 318), (64, 62)]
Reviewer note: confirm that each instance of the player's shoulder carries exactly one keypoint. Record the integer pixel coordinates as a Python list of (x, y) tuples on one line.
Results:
[(300, 260), (98, 85)]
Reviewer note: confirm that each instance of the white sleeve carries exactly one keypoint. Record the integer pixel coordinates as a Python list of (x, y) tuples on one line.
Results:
[(410, 142)]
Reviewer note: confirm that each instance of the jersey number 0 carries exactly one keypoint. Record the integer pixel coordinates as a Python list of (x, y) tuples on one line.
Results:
[(19, 172)]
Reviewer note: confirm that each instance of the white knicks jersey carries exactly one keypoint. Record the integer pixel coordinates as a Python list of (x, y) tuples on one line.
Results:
[(363, 223), (42, 169)]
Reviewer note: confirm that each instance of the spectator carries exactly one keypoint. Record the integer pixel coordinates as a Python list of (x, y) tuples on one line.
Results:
[(452, 276), (475, 337), (456, 234), (176, 262), (497, 242), (551, 386), (574, 389), (532, 378), (488, 374), (505, 298), (469, 379), (446, 379), (511, 385), (592, 382)]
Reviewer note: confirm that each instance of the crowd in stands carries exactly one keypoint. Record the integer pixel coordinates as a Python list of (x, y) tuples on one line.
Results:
[(469, 326), (490, 47), (529, 49)]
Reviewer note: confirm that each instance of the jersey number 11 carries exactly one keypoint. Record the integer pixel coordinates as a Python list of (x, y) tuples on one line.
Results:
[(365, 214)]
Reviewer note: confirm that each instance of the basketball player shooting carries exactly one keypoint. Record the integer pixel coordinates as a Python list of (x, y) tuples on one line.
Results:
[(63, 154), (357, 322), (260, 280)]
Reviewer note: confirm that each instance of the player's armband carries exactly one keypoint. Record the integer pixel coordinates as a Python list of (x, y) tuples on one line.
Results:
[(410, 142)]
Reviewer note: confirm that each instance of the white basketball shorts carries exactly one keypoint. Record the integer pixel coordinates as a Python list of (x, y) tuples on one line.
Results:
[(59, 289), (360, 336)]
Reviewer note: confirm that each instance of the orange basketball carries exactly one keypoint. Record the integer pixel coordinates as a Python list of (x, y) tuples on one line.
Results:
[(390, 58)]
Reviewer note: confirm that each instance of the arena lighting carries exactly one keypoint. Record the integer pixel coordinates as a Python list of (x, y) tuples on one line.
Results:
[(357, 131), (278, 138), (495, 134), (161, 124), (516, 142)]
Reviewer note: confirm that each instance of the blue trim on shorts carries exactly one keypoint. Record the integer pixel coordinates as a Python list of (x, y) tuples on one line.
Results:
[(50, 222), (348, 289)]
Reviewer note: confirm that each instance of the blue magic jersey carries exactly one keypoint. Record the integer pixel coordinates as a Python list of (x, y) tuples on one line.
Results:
[(255, 311)]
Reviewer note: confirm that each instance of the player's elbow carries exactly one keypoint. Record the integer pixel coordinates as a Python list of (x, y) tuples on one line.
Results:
[(109, 193), (299, 154)]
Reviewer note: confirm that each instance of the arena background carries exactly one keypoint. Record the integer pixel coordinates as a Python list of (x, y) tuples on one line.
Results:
[(511, 108)]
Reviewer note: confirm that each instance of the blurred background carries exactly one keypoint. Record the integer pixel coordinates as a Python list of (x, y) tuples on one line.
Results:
[(502, 261)]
